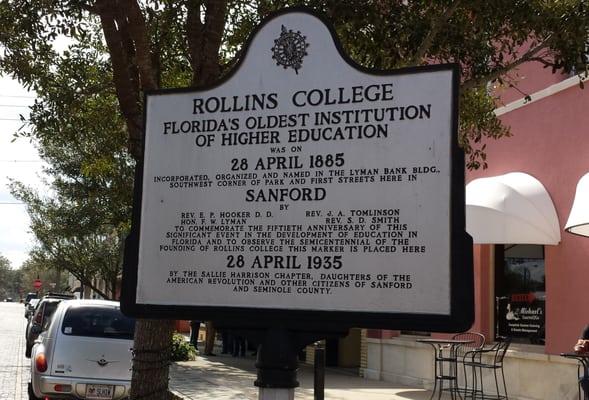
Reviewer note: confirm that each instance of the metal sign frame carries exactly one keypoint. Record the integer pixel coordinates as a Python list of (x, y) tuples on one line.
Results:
[(461, 270)]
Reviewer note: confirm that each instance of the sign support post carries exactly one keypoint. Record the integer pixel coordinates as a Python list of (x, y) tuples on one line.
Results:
[(277, 365), (276, 394), (277, 360)]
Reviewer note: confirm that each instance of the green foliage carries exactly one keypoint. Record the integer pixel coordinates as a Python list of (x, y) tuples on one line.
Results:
[(182, 350), (488, 39), (52, 279), (4, 262), (91, 94), (59, 50), (10, 280), (16, 283), (80, 222), (478, 120)]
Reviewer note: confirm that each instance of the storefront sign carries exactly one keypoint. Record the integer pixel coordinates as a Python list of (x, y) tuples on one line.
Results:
[(522, 316), (303, 183)]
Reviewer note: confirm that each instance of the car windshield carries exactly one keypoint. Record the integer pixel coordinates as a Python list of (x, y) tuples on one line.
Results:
[(96, 321)]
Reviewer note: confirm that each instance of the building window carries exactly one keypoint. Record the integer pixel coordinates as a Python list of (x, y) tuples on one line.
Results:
[(520, 292)]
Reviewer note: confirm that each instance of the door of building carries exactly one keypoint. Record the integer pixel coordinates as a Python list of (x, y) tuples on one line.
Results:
[(520, 296)]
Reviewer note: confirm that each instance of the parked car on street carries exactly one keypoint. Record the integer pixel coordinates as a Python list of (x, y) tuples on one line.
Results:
[(84, 354), (30, 295), (30, 307), (41, 318)]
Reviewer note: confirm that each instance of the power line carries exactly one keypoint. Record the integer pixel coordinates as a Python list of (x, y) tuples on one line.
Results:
[(21, 161), (14, 105), (7, 203), (18, 96)]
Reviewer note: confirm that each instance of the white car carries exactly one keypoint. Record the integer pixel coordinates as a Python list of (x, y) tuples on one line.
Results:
[(84, 354)]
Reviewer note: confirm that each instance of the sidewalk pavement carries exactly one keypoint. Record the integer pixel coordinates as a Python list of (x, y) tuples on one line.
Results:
[(223, 377)]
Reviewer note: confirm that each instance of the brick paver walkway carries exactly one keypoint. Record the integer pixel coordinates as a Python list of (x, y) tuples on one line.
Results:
[(14, 367)]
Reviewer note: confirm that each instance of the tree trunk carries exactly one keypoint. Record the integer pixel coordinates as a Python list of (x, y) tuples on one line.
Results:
[(127, 38), (151, 356)]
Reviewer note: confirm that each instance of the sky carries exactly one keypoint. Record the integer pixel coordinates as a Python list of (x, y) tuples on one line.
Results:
[(19, 160)]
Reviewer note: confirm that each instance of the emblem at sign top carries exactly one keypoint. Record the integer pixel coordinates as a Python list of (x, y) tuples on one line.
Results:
[(289, 49)]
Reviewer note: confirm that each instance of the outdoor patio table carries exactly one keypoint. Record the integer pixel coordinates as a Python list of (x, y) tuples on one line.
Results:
[(583, 359), (445, 359)]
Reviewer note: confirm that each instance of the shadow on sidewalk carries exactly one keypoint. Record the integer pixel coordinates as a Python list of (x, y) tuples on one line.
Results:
[(225, 377)]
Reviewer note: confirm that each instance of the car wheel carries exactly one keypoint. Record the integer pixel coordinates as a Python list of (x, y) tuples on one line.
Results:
[(28, 350), (31, 393)]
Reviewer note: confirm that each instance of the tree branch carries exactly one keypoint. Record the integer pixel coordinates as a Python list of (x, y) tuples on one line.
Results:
[(436, 27), (194, 36), (216, 11), (71, 267), (528, 56), (127, 91), (89, 8), (84, 280), (542, 61), (138, 30)]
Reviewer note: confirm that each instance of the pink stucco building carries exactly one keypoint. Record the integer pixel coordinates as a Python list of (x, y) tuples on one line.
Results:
[(549, 142), (545, 270)]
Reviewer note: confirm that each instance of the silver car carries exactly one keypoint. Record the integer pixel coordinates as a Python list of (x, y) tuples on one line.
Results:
[(85, 353)]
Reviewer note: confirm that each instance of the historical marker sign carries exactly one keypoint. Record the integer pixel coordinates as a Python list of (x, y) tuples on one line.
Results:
[(304, 187)]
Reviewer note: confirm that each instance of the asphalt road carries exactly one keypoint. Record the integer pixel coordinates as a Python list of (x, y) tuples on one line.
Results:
[(14, 367)]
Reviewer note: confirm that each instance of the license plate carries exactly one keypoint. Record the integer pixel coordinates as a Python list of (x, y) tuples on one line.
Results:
[(99, 392)]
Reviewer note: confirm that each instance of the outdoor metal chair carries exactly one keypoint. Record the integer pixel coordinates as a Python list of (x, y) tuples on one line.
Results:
[(464, 352), (490, 359)]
